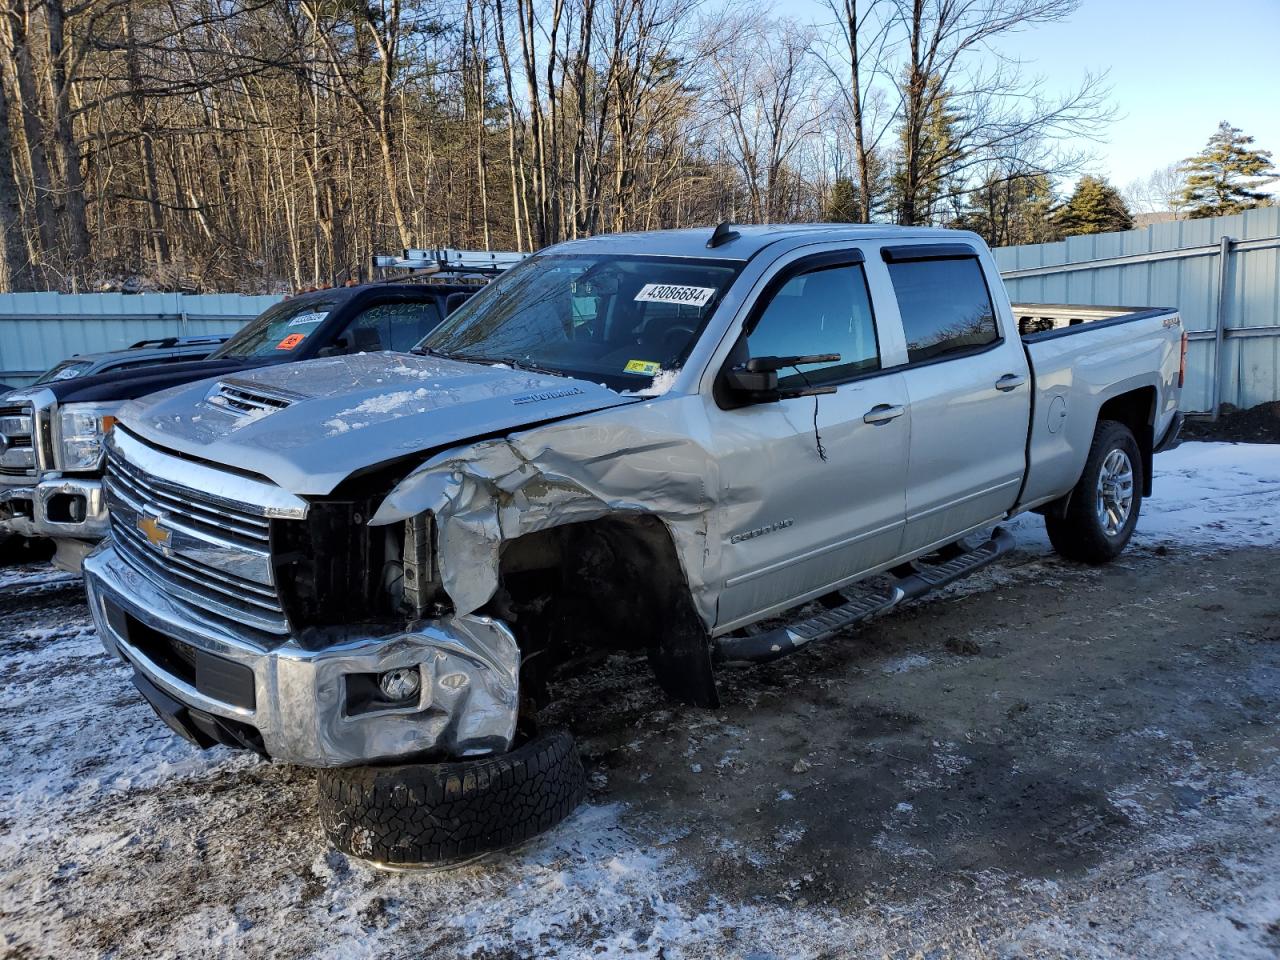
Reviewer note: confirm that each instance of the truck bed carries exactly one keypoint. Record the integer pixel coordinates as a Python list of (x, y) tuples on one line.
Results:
[(1079, 356), (1038, 321)]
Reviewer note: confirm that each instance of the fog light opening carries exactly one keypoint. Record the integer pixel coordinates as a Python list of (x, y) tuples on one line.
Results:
[(66, 508), (400, 685)]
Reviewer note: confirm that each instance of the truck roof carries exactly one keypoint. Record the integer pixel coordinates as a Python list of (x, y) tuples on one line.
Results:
[(750, 240)]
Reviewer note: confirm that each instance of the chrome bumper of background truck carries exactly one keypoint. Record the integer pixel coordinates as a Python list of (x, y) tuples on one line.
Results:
[(296, 704), (63, 508)]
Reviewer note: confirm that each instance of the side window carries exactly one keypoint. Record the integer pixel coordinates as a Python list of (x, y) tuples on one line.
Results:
[(823, 311), (392, 326), (945, 306)]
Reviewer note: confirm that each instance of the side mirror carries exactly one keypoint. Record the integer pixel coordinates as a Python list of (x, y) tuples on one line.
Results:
[(756, 381)]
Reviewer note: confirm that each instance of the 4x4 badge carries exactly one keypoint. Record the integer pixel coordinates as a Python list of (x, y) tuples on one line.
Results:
[(151, 529)]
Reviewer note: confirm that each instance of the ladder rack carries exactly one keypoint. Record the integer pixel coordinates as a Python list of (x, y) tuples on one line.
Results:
[(429, 262)]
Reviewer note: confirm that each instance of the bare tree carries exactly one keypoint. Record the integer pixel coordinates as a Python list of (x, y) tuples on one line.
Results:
[(765, 83), (950, 65), (258, 145), (17, 272), (1160, 191), (855, 62)]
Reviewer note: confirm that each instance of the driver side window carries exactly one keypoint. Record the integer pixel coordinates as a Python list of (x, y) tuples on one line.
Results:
[(826, 310)]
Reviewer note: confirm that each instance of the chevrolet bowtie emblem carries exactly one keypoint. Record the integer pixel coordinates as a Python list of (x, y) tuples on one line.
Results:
[(151, 529)]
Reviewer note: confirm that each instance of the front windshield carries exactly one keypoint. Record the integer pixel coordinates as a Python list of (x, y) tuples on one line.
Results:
[(616, 320), (277, 331), (66, 370)]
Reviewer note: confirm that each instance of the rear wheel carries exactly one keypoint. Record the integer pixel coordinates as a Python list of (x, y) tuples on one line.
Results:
[(1104, 505)]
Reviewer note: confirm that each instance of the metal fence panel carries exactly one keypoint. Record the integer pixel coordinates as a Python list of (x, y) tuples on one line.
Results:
[(39, 329), (1178, 264)]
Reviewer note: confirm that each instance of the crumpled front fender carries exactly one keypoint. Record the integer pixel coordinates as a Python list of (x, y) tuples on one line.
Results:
[(494, 491)]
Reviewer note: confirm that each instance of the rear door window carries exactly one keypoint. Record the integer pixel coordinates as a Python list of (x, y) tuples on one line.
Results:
[(945, 307)]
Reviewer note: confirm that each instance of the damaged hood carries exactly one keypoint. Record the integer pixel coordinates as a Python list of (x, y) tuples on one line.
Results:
[(308, 426)]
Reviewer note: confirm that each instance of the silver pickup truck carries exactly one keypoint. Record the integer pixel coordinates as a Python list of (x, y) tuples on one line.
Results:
[(648, 441)]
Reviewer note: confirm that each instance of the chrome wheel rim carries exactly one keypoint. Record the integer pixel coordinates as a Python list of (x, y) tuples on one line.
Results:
[(1115, 492)]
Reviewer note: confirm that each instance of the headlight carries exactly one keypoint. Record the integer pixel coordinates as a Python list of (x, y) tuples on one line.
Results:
[(81, 429)]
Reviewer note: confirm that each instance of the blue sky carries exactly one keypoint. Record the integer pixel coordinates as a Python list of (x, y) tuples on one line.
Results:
[(1177, 67)]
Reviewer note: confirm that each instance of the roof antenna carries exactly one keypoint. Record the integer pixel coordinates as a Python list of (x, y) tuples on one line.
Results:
[(722, 235)]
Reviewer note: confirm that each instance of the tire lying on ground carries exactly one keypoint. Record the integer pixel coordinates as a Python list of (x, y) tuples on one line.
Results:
[(440, 813)]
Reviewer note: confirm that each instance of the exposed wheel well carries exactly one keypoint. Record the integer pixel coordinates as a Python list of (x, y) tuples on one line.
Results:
[(1137, 411), (614, 582)]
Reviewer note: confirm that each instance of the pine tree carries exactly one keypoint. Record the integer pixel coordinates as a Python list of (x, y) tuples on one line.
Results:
[(934, 157), (1095, 207), (843, 204), (1007, 209), (1218, 176)]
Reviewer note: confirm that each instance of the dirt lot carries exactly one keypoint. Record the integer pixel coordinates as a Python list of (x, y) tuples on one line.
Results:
[(1045, 761), (1260, 424)]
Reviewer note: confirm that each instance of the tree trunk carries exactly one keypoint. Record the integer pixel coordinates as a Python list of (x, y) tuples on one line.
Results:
[(33, 132), (146, 146), (64, 138), (17, 268)]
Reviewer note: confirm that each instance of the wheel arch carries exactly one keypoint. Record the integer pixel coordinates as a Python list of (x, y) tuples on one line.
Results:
[(1136, 409), (613, 581)]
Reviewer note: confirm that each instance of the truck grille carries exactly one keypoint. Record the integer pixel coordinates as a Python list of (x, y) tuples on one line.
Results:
[(17, 453), (210, 553)]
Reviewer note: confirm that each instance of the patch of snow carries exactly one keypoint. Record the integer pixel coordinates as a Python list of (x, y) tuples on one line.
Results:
[(386, 402), (662, 382), (253, 416), (1203, 494), (905, 664)]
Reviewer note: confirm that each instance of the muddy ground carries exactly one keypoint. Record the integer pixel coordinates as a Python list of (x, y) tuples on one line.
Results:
[(1047, 760)]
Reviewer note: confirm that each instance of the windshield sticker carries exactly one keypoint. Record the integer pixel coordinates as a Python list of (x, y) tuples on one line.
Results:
[(675, 293), (646, 367), (291, 341), (312, 317)]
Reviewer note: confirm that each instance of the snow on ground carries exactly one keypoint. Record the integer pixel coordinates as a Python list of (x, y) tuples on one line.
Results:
[(1205, 494), (92, 781)]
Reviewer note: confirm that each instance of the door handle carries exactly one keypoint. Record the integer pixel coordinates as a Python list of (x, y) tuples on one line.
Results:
[(883, 413), (1010, 381)]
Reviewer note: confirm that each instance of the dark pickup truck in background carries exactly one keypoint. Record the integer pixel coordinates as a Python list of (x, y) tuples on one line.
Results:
[(51, 433)]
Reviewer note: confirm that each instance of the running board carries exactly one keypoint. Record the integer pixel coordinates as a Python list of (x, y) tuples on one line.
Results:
[(929, 577), (772, 644)]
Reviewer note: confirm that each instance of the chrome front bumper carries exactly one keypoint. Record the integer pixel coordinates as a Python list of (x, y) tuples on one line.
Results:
[(297, 700), (69, 508)]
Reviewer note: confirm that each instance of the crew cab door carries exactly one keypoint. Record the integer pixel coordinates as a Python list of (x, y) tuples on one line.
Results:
[(968, 385), (813, 487)]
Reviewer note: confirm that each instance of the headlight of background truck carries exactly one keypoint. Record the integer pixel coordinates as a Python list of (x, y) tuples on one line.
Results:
[(81, 429)]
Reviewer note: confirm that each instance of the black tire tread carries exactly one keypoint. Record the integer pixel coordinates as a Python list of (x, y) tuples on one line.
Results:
[(438, 813), (1078, 535)]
